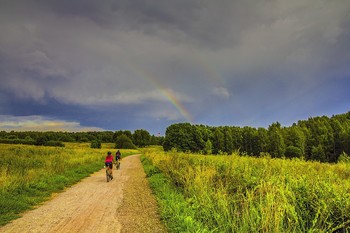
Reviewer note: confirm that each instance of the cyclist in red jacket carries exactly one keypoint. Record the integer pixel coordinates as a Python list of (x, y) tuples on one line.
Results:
[(109, 161)]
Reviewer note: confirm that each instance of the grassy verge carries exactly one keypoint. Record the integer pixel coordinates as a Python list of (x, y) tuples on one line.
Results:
[(244, 194), (177, 213), (30, 174)]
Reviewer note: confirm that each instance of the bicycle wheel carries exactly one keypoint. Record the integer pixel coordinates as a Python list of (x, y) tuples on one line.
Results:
[(108, 176)]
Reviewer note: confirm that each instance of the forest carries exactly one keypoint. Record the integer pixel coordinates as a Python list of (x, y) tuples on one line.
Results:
[(139, 138), (323, 139)]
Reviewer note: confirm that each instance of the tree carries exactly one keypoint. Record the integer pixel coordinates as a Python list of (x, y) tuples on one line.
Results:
[(141, 138), (106, 136), (248, 140), (293, 152), (317, 153), (205, 131), (208, 148), (41, 140), (338, 132), (183, 137), (262, 141), (237, 138), (321, 137), (276, 144), (121, 132), (295, 138), (228, 142), (218, 141), (124, 142), (156, 140), (66, 138)]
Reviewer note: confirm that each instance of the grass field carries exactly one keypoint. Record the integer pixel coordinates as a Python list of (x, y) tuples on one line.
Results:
[(30, 174), (243, 194)]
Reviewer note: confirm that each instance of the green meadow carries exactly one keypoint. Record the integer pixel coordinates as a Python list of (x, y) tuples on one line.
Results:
[(235, 193), (196, 193), (30, 174)]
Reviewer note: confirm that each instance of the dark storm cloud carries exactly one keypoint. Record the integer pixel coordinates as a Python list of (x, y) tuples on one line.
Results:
[(244, 62)]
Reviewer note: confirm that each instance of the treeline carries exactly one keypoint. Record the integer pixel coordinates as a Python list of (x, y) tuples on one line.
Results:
[(140, 137), (318, 138)]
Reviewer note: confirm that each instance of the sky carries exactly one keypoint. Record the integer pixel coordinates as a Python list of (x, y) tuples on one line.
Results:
[(124, 65)]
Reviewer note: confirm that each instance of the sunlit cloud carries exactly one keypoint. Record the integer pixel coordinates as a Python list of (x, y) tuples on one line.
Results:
[(38, 123)]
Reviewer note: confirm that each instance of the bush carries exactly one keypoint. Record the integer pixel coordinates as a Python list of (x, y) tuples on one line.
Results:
[(84, 139), (28, 138), (54, 143), (40, 141), (124, 142), (344, 158), (95, 144)]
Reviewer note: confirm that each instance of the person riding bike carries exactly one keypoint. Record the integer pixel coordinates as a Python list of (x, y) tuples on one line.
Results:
[(118, 158), (118, 155), (109, 162)]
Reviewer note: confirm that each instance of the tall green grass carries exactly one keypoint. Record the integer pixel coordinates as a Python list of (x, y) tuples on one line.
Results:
[(177, 215), (30, 174), (245, 194)]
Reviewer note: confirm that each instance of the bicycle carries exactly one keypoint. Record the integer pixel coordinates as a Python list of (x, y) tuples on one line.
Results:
[(109, 175), (117, 164)]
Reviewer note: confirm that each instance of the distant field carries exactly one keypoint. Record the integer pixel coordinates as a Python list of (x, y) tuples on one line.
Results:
[(243, 194), (29, 174)]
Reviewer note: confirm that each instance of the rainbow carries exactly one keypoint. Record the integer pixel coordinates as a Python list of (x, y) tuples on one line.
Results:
[(209, 74), (170, 95), (167, 92)]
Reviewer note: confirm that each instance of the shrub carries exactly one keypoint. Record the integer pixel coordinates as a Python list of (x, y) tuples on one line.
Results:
[(40, 141), (124, 142), (54, 143), (84, 139), (95, 144), (344, 158), (28, 138), (208, 149)]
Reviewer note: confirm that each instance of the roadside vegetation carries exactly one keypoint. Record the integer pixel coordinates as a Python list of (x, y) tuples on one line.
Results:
[(30, 174), (235, 193)]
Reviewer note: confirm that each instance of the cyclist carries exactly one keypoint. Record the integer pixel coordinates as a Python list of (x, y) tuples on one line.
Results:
[(118, 158), (118, 155), (109, 162)]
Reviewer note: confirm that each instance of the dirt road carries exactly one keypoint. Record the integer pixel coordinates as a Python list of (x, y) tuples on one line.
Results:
[(123, 205)]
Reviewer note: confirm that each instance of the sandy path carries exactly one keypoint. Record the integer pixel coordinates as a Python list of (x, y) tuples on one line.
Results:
[(123, 205)]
